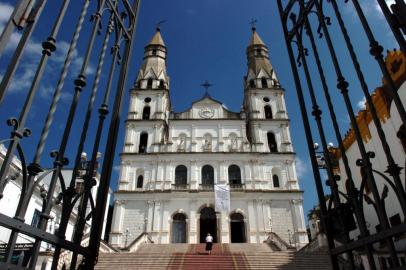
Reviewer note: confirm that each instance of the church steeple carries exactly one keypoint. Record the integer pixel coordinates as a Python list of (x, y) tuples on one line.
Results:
[(152, 74), (260, 71)]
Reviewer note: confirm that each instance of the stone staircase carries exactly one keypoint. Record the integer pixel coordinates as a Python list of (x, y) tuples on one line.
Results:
[(224, 256)]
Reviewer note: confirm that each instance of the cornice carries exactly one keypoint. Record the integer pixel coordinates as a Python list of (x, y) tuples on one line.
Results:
[(297, 191), (396, 64), (210, 153)]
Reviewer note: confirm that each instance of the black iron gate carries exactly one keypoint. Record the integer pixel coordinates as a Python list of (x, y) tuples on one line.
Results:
[(301, 21), (113, 25)]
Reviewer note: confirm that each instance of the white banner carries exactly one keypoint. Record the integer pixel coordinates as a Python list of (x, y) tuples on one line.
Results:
[(222, 198)]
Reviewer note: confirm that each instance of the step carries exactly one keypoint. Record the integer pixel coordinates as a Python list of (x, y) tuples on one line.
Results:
[(224, 256)]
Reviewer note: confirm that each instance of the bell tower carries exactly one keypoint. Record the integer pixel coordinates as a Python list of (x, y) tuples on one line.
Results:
[(149, 101), (264, 101)]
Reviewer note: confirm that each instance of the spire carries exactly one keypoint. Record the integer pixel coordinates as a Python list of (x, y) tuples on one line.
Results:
[(260, 71), (255, 39), (157, 39), (152, 74)]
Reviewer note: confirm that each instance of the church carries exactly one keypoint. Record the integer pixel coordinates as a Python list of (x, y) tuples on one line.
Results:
[(172, 161)]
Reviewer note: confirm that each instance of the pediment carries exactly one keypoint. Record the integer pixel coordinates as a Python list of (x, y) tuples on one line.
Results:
[(208, 101), (207, 108)]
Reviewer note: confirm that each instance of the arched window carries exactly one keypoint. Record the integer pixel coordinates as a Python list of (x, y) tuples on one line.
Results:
[(179, 228), (258, 52), (143, 143), (402, 137), (264, 82), (149, 83), (234, 175), (252, 83), (275, 181), (237, 226), (207, 175), (268, 112), (146, 113), (140, 181), (180, 175), (162, 84), (273, 147)]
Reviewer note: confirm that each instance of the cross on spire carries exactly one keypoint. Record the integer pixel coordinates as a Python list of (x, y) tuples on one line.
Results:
[(206, 86), (254, 24), (158, 25)]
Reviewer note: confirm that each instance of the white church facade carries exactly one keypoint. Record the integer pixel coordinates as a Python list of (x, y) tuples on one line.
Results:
[(171, 161)]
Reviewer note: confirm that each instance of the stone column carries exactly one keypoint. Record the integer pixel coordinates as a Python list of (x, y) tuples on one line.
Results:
[(221, 144), (133, 107), (253, 106), (165, 221), (193, 223), (244, 139), (225, 232), (117, 223), (269, 215), (299, 223), (194, 183), (247, 178), (167, 181), (284, 178), (193, 141), (161, 233), (260, 220), (150, 216), (123, 184), (257, 136), (222, 176), (157, 220), (152, 176), (253, 227), (159, 110)]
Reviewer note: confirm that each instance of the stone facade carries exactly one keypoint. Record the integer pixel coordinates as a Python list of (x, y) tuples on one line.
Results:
[(172, 160)]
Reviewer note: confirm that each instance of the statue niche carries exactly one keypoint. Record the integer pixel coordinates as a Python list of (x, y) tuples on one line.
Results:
[(182, 143), (207, 143), (233, 147)]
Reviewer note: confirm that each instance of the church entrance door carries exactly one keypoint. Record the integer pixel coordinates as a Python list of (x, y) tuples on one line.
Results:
[(179, 228), (208, 224), (237, 225)]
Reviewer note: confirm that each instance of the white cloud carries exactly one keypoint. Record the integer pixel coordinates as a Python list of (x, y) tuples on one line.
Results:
[(388, 2), (33, 51), (22, 80), (301, 167), (361, 104), (5, 12), (47, 92)]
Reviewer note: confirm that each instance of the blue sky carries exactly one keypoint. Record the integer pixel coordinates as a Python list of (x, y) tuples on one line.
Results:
[(206, 40)]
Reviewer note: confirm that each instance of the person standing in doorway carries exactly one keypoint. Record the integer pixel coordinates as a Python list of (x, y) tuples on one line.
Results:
[(209, 243)]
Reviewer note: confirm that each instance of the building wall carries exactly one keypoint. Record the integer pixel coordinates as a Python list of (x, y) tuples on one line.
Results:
[(391, 124), (207, 134), (263, 213)]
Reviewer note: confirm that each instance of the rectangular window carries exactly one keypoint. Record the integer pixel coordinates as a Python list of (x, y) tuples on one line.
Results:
[(402, 261), (378, 229), (36, 218), (394, 221), (382, 262)]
